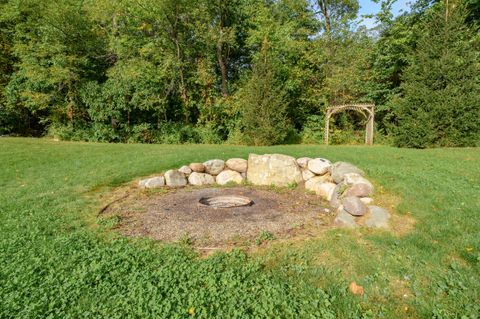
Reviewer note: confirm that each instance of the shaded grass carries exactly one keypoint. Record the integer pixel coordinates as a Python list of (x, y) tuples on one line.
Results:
[(53, 264)]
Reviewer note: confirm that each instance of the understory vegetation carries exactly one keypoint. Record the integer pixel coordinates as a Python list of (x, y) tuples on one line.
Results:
[(56, 264), (238, 71)]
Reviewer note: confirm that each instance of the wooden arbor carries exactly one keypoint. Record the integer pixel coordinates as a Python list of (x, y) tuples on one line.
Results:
[(367, 110)]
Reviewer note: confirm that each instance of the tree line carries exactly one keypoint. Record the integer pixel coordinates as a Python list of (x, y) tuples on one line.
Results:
[(255, 72)]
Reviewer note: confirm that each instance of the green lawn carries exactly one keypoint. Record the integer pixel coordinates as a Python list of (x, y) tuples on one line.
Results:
[(54, 264)]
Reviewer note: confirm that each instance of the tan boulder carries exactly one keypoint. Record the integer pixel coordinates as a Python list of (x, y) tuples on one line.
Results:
[(237, 164), (273, 169)]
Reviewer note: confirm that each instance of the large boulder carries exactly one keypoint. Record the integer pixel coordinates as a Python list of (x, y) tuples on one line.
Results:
[(214, 166), (273, 169), (174, 178), (354, 206), (377, 217), (303, 161), (237, 164), (229, 176), (319, 166), (198, 179), (197, 167), (339, 169), (310, 183)]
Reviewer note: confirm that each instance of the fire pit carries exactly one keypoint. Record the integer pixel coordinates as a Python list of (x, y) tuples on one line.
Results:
[(226, 201)]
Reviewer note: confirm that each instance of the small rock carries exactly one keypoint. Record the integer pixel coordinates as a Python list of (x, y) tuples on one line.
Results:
[(354, 206), (303, 161), (197, 167), (155, 182), (378, 217), (339, 169), (359, 190), (307, 174), (229, 176), (185, 170), (174, 178), (198, 179), (366, 200), (237, 164), (319, 166), (214, 167), (344, 219)]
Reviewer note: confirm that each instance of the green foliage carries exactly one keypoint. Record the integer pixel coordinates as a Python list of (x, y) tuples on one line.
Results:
[(263, 237), (440, 100), (263, 104)]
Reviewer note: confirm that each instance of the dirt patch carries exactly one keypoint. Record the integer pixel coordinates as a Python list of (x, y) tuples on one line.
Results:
[(177, 215)]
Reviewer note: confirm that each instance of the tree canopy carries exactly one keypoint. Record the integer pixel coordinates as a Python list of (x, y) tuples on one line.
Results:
[(239, 71)]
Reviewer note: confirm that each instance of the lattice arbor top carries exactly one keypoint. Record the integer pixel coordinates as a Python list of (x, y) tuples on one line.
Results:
[(367, 110)]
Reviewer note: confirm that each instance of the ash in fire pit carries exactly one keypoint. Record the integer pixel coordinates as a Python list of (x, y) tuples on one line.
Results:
[(226, 201), (217, 217)]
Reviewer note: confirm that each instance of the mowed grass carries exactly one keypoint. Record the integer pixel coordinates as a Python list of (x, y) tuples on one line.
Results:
[(54, 264)]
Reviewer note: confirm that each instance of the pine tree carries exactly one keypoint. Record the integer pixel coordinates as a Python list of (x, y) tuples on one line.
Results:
[(440, 102), (264, 109)]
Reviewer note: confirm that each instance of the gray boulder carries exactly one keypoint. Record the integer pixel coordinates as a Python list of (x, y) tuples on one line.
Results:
[(153, 182), (378, 217), (354, 206), (344, 219), (214, 166), (339, 169), (174, 178)]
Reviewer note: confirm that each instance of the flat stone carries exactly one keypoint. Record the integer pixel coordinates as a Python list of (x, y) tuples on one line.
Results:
[(339, 169), (303, 161), (359, 190), (174, 178), (378, 217), (307, 174), (229, 176), (198, 179), (319, 166), (155, 182), (185, 170), (344, 219), (237, 164), (273, 169), (214, 166), (197, 167), (354, 206)]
